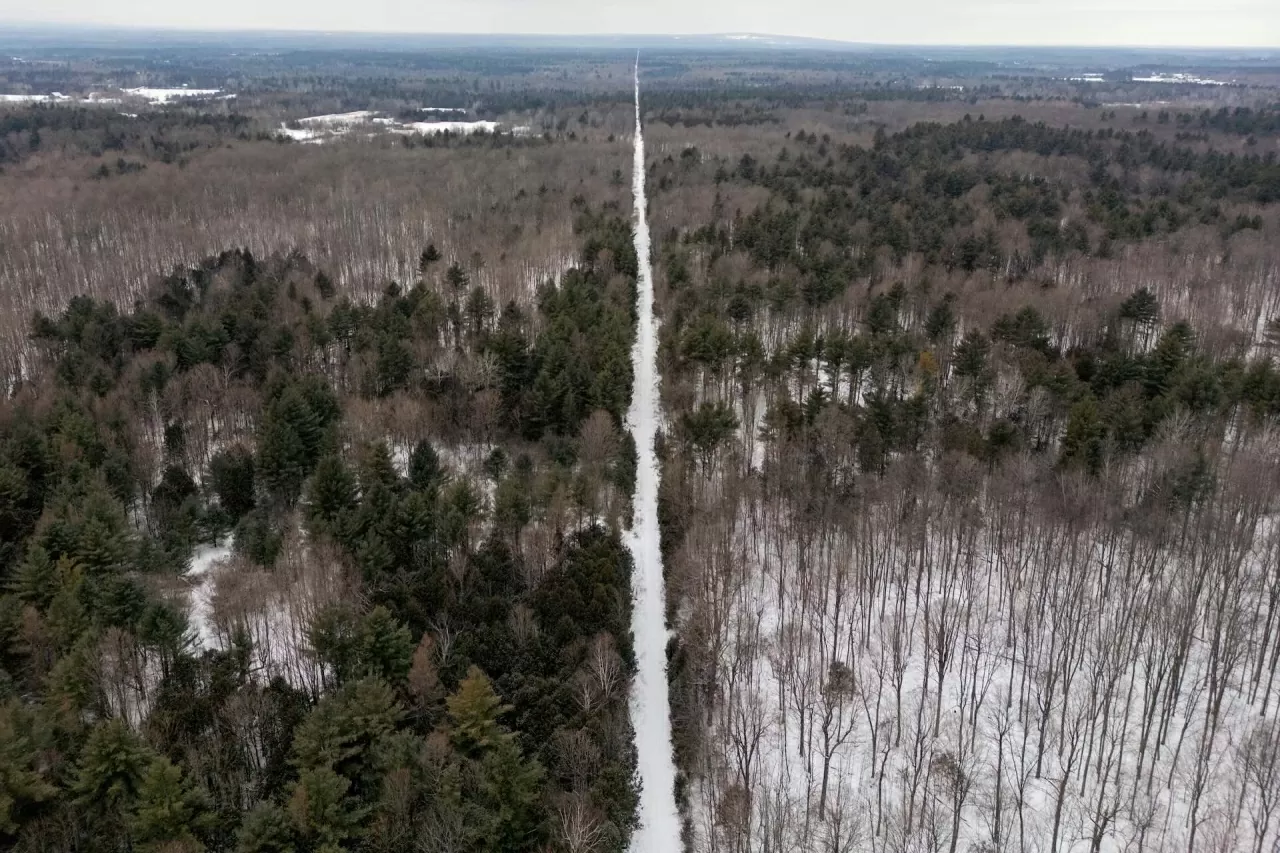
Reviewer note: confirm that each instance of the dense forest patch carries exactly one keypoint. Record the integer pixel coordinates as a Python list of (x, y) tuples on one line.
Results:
[(466, 689)]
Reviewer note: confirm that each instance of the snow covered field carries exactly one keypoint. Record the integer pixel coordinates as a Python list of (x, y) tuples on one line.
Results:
[(427, 128), (1180, 77), (319, 129), (54, 98), (165, 96), (659, 830), (153, 96)]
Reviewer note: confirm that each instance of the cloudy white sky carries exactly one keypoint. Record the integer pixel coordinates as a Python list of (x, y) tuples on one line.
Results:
[(1215, 23)]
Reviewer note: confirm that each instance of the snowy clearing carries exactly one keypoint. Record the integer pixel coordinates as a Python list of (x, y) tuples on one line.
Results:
[(164, 96), (53, 98), (427, 128), (340, 119), (1180, 77), (318, 129), (203, 577)]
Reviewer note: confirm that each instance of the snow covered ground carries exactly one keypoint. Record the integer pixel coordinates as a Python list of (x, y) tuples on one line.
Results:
[(659, 830), (319, 129), (202, 575), (165, 96), (154, 96), (1180, 77), (339, 119), (428, 128), (947, 669), (53, 98)]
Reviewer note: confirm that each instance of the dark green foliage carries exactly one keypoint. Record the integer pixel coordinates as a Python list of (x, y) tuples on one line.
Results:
[(26, 783), (1083, 443), (354, 645), (111, 771), (331, 494), (232, 477), (707, 428), (266, 829), (425, 471), (364, 757), (296, 429), (170, 812), (582, 597)]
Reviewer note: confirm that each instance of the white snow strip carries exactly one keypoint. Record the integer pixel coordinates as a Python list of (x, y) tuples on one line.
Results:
[(164, 96), (318, 129), (201, 574), (427, 128), (659, 829), (29, 99), (357, 117), (301, 134), (1191, 79)]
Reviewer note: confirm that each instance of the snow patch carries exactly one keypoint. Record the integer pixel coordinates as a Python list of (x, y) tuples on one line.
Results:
[(318, 129), (202, 576), (1180, 77), (340, 119), (52, 98), (428, 128), (164, 96)]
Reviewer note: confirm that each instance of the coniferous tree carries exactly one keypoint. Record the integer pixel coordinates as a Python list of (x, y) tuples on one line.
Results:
[(25, 782), (331, 494), (110, 776), (169, 812)]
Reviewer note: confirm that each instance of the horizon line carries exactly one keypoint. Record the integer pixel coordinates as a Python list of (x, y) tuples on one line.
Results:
[(741, 35)]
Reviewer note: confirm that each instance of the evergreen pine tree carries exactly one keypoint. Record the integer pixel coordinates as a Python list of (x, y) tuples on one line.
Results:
[(331, 494), (473, 714), (348, 732), (24, 778), (110, 774), (425, 471), (386, 647), (169, 810), (323, 814), (428, 257), (511, 791), (232, 473), (267, 829)]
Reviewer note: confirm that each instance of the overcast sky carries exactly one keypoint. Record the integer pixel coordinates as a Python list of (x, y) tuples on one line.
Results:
[(1210, 23)]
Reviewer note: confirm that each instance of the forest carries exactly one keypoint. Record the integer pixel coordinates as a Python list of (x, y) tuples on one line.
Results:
[(970, 487), (316, 475), (406, 641)]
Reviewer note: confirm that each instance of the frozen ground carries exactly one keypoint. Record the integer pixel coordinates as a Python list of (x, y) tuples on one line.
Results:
[(319, 129), (55, 97), (659, 830), (1181, 77), (428, 128), (956, 672), (164, 96), (206, 563)]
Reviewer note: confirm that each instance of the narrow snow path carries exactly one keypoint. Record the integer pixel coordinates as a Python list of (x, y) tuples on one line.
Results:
[(659, 830)]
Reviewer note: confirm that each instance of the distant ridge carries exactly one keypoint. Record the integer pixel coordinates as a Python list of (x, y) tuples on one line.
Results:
[(19, 35)]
